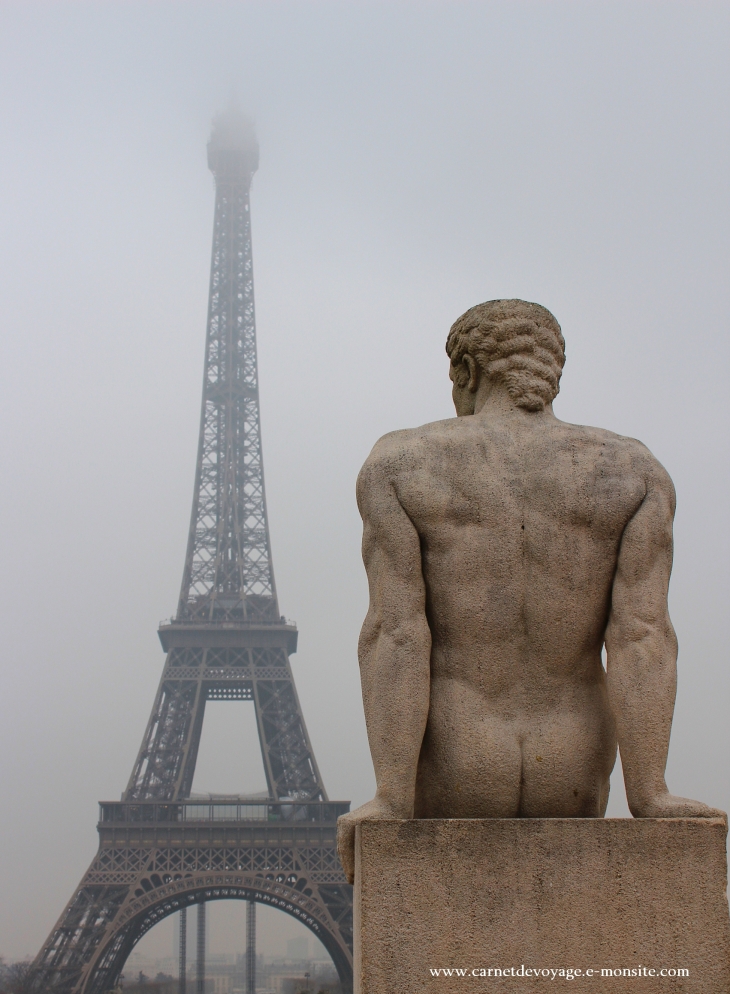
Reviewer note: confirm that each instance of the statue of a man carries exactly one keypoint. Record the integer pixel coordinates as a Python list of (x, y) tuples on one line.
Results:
[(504, 548)]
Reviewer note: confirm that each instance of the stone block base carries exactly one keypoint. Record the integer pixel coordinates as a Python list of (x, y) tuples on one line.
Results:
[(519, 895)]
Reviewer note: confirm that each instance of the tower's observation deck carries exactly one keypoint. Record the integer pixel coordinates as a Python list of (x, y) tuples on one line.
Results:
[(233, 149)]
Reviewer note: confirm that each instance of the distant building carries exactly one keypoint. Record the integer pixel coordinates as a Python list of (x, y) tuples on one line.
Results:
[(222, 984)]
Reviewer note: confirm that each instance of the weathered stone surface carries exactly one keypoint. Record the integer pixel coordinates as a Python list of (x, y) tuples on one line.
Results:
[(544, 893), (504, 549)]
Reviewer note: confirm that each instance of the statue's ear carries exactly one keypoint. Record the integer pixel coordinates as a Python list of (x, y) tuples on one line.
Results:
[(473, 369)]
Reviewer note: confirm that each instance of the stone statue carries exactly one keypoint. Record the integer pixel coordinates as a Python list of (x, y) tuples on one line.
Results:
[(504, 548)]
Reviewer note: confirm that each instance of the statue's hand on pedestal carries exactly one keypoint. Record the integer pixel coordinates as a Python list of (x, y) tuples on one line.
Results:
[(346, 824), (666, 805)]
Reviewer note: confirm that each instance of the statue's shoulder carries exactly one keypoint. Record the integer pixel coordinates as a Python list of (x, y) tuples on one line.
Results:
[(411, 445), (397, 455), (590, 436), (627, 453)]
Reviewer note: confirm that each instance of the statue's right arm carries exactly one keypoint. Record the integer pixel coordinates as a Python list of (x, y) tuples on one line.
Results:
[(394, 648), (642, 655)]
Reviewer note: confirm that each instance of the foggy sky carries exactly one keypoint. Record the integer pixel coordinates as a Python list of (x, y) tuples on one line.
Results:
[(416, 158)]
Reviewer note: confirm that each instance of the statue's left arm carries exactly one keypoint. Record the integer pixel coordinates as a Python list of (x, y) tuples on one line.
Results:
[(641, 649), (394, 648)]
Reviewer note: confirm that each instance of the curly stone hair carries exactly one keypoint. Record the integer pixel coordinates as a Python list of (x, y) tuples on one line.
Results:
[(513, 342)]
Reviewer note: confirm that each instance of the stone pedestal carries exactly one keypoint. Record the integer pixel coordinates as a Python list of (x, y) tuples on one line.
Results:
[(518, 896)]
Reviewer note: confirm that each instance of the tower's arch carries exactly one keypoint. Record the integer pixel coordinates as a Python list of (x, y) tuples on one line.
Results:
[(165, 898)]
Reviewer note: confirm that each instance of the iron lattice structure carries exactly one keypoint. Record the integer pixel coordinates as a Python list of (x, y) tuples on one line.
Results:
[(159, 849)]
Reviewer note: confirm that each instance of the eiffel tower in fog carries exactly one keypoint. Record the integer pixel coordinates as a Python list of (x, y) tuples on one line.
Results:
[(161, 850)]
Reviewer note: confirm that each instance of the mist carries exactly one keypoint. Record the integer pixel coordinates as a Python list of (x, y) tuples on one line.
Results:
[(416, 159)]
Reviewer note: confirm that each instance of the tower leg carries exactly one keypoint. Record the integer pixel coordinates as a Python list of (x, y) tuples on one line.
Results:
[(200, 979), (250, 947), (183, 961)]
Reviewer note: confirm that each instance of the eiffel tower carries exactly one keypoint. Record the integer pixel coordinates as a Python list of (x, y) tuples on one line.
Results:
[(161, 850)]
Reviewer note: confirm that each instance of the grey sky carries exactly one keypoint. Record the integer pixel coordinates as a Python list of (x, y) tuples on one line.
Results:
[(416, 158)]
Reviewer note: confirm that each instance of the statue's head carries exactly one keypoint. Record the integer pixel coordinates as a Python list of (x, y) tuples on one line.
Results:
[(512, 342)]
